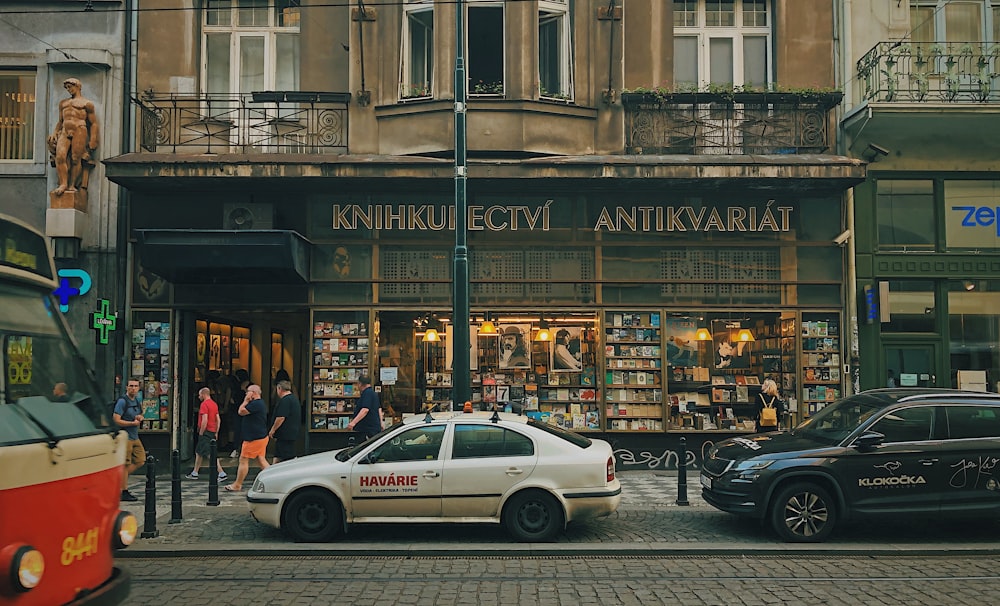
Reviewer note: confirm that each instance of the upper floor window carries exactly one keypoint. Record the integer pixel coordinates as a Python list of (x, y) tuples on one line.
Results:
[(904, 210), (485, 47), (942, 21), (416, 66), (555, 63), (251, 45), (17, 115), (723, 42)]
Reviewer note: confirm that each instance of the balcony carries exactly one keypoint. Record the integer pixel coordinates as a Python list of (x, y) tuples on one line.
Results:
[(927, 102), (728, 123), (952, 72), (272, 122)]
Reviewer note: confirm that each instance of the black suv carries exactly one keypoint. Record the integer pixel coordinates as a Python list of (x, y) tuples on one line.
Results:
[(880, 452)]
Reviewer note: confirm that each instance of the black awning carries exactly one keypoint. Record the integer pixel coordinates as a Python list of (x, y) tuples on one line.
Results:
[(193, 256)]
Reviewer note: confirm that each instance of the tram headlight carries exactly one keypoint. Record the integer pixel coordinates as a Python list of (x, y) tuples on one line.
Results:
[(126, 529), (27, 567)]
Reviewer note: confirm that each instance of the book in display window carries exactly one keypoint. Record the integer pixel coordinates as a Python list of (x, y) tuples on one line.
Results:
[(340, 357)]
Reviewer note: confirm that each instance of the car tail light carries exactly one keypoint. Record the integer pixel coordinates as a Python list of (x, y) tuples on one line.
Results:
[(611, 469)]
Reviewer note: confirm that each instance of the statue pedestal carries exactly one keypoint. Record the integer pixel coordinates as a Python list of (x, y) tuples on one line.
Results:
[(76, 200)]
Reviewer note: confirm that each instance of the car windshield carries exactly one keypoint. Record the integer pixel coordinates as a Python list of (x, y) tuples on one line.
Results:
[(838, 420), (350, 451), (46, 390)]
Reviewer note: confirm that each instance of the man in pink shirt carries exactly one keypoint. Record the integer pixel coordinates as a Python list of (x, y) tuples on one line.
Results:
[(208, 427)]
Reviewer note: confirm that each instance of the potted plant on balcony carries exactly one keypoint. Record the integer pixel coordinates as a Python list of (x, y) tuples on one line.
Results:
[(729, 94)]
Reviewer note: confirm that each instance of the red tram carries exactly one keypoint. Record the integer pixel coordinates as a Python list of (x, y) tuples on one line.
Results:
[(61, 464)]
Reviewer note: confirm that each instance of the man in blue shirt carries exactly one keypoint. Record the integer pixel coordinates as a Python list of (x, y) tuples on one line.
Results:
[(254, 415), (367, 421), (128, 416)]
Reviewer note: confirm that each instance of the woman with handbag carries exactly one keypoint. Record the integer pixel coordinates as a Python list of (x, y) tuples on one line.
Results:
[(769, 407)]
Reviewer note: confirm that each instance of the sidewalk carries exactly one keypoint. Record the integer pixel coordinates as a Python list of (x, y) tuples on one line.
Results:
[(648, 522)]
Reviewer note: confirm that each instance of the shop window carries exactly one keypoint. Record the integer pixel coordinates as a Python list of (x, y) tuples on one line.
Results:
[(912, 307), (974, 330), (723, 42), (555, 72), (971, 215), (905, 215), (17, 115), (485, 48), (417, 61), (151, 362)]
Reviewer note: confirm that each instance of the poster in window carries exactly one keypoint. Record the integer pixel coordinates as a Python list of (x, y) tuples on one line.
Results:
[(566, 356), (201, 347), (215, 352)]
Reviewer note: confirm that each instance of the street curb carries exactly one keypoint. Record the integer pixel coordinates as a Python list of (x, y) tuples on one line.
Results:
[(552, 550)]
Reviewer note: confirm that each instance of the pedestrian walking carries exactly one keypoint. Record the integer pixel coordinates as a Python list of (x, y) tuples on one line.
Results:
[(208, 428), (286, 422), (769, 407), (128, 416), (367, 418), (254, 415)]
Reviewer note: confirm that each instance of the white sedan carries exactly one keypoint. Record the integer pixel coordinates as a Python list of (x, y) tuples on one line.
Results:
[(448, 467)]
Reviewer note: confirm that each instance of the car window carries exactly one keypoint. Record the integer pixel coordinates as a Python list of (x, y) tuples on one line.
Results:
[(421, 443), (973, 421), (473, 441), (906, 424)]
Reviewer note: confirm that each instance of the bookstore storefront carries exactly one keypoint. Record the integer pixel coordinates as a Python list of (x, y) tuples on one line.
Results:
[(635, 320)]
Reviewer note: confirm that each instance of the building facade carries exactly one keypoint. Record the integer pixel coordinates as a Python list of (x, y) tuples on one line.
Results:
[(922, 106), (636, 172), (43, 47)]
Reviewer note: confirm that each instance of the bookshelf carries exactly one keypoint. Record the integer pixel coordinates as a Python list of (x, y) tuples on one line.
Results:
[(633, 371), (340, 357), (821, 363), (565, 391)]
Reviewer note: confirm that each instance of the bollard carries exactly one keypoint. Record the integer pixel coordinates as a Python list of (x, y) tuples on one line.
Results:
[(213, 476), (682, 482), (175, 487), (149, 530)]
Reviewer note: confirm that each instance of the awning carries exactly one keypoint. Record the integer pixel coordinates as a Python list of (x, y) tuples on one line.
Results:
[(253, 257)]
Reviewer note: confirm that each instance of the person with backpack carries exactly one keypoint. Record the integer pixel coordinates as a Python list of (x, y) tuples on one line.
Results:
[(768, 407)]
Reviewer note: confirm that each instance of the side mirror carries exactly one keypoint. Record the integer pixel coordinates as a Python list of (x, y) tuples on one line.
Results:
[(868, 440)]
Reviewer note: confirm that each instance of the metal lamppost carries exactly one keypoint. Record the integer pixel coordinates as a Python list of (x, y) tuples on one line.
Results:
[(460, 289)]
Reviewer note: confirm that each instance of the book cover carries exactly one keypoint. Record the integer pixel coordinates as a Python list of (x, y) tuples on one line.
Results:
[(593, 419)]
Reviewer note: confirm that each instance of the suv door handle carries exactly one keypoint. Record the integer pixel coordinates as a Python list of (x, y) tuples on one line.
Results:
[(928, 461)]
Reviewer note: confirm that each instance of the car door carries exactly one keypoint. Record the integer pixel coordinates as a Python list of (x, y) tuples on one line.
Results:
[(970, 458), (486, 461), (901, 474), (400, 477)]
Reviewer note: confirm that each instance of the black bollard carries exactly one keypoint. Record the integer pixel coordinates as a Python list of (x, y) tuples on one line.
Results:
[(682, 481), (213, 475), (175, 488), (149, 530)]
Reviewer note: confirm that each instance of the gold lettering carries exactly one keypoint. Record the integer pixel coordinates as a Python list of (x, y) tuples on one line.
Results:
[(736, 216), (603, 220), (489, 218), (476, 218)]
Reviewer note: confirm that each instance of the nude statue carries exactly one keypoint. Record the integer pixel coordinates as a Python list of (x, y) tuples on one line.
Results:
[(75, 138)]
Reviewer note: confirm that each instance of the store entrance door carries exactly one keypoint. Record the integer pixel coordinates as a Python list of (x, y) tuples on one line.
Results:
[(909, 364)]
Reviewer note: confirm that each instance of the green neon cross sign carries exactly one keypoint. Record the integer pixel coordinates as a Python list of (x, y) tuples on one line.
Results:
[(104, 321)]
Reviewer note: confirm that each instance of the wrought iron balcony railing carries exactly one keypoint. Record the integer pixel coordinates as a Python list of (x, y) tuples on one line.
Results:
[(289, 122), (951, 72), (728, 123)]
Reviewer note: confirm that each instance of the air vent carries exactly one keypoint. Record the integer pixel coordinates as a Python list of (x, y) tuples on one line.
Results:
[(248, 216)]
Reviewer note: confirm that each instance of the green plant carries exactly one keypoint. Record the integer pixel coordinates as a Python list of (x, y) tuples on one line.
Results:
[(487, 88), (413, 91)]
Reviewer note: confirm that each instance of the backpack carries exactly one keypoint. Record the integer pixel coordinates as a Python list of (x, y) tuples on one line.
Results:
[(769, 414), (111, 413)]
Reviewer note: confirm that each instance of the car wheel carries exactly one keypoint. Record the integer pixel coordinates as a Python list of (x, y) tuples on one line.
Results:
[(313, 516), (533, 516), (803, 513)]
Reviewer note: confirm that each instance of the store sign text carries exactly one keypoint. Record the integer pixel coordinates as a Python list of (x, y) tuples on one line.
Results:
[(514, 217), (982, 216)]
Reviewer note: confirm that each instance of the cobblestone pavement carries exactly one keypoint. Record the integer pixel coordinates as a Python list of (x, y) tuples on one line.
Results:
[(566, 580), (648, 521)]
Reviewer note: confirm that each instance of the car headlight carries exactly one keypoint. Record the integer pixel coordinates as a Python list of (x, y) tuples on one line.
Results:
[(752, 465), (258, 486), (27, 567), (126, 529)]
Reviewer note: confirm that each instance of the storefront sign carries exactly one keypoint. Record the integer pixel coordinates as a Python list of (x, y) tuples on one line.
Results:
[(66, 288), (973, 226), (104, 321), (515, 217)]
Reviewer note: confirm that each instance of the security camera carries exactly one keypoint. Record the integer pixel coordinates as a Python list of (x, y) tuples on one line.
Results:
[(877, 150), (842, 238)]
